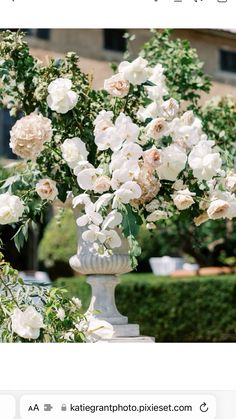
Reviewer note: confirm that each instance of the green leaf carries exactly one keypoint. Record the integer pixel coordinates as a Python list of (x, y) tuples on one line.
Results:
[(131, 221)]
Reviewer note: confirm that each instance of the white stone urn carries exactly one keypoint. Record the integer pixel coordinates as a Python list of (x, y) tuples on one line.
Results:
[(102, 274)]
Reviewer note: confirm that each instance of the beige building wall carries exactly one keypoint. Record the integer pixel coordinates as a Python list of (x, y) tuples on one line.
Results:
[(208, 44), (89, 43)]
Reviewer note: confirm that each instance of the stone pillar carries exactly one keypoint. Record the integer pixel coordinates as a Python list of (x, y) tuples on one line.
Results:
[(104, 308)]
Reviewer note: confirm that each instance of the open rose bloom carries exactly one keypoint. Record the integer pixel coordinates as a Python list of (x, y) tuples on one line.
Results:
[(127, 154)]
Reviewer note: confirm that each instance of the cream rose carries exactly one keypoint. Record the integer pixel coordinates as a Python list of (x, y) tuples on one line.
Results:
[(218, 209), (152, 157), (61, 98), (11, 208), (156, 216), (230, 182), (183, 199), (201, 219), (102, 184), (27, 324), (153, 205), (149, 184), (157, 128), (29, 134), (117, 86), (47, 189)]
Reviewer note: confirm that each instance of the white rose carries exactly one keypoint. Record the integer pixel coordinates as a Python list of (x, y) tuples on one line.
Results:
[(47, 189), (151, 111), (230, 182), (188, 118), (158, 78), (117, 86), (11, 208), (82, 165), (109, 138), (126, 129), (74, 151), (173, 161), (27, 324), (103, 116), (131, 152), (126, 173), (204, 162), (102, 184), (157, 74), (61, 98), (103, 121), (183, 199), (170, 109), (157, 128), (155, 92), (135, 72), (187, 130)]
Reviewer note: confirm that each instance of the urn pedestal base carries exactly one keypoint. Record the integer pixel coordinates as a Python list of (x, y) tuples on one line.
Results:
[(104, 308)]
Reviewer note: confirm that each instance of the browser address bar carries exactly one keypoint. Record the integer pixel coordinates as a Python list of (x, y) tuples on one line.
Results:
[(118, 406)]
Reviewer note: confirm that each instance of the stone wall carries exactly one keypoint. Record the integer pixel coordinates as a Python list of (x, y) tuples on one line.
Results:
[(89, 43)]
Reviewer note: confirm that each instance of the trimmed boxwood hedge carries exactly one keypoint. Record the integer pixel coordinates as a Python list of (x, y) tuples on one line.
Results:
[(173, 310)]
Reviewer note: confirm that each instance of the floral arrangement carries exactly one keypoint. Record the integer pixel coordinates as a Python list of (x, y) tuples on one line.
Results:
[(37, 314), (127, 155)]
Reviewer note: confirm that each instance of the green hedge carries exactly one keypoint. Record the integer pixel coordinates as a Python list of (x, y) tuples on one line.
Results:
[(58, 244), (173, 310)]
